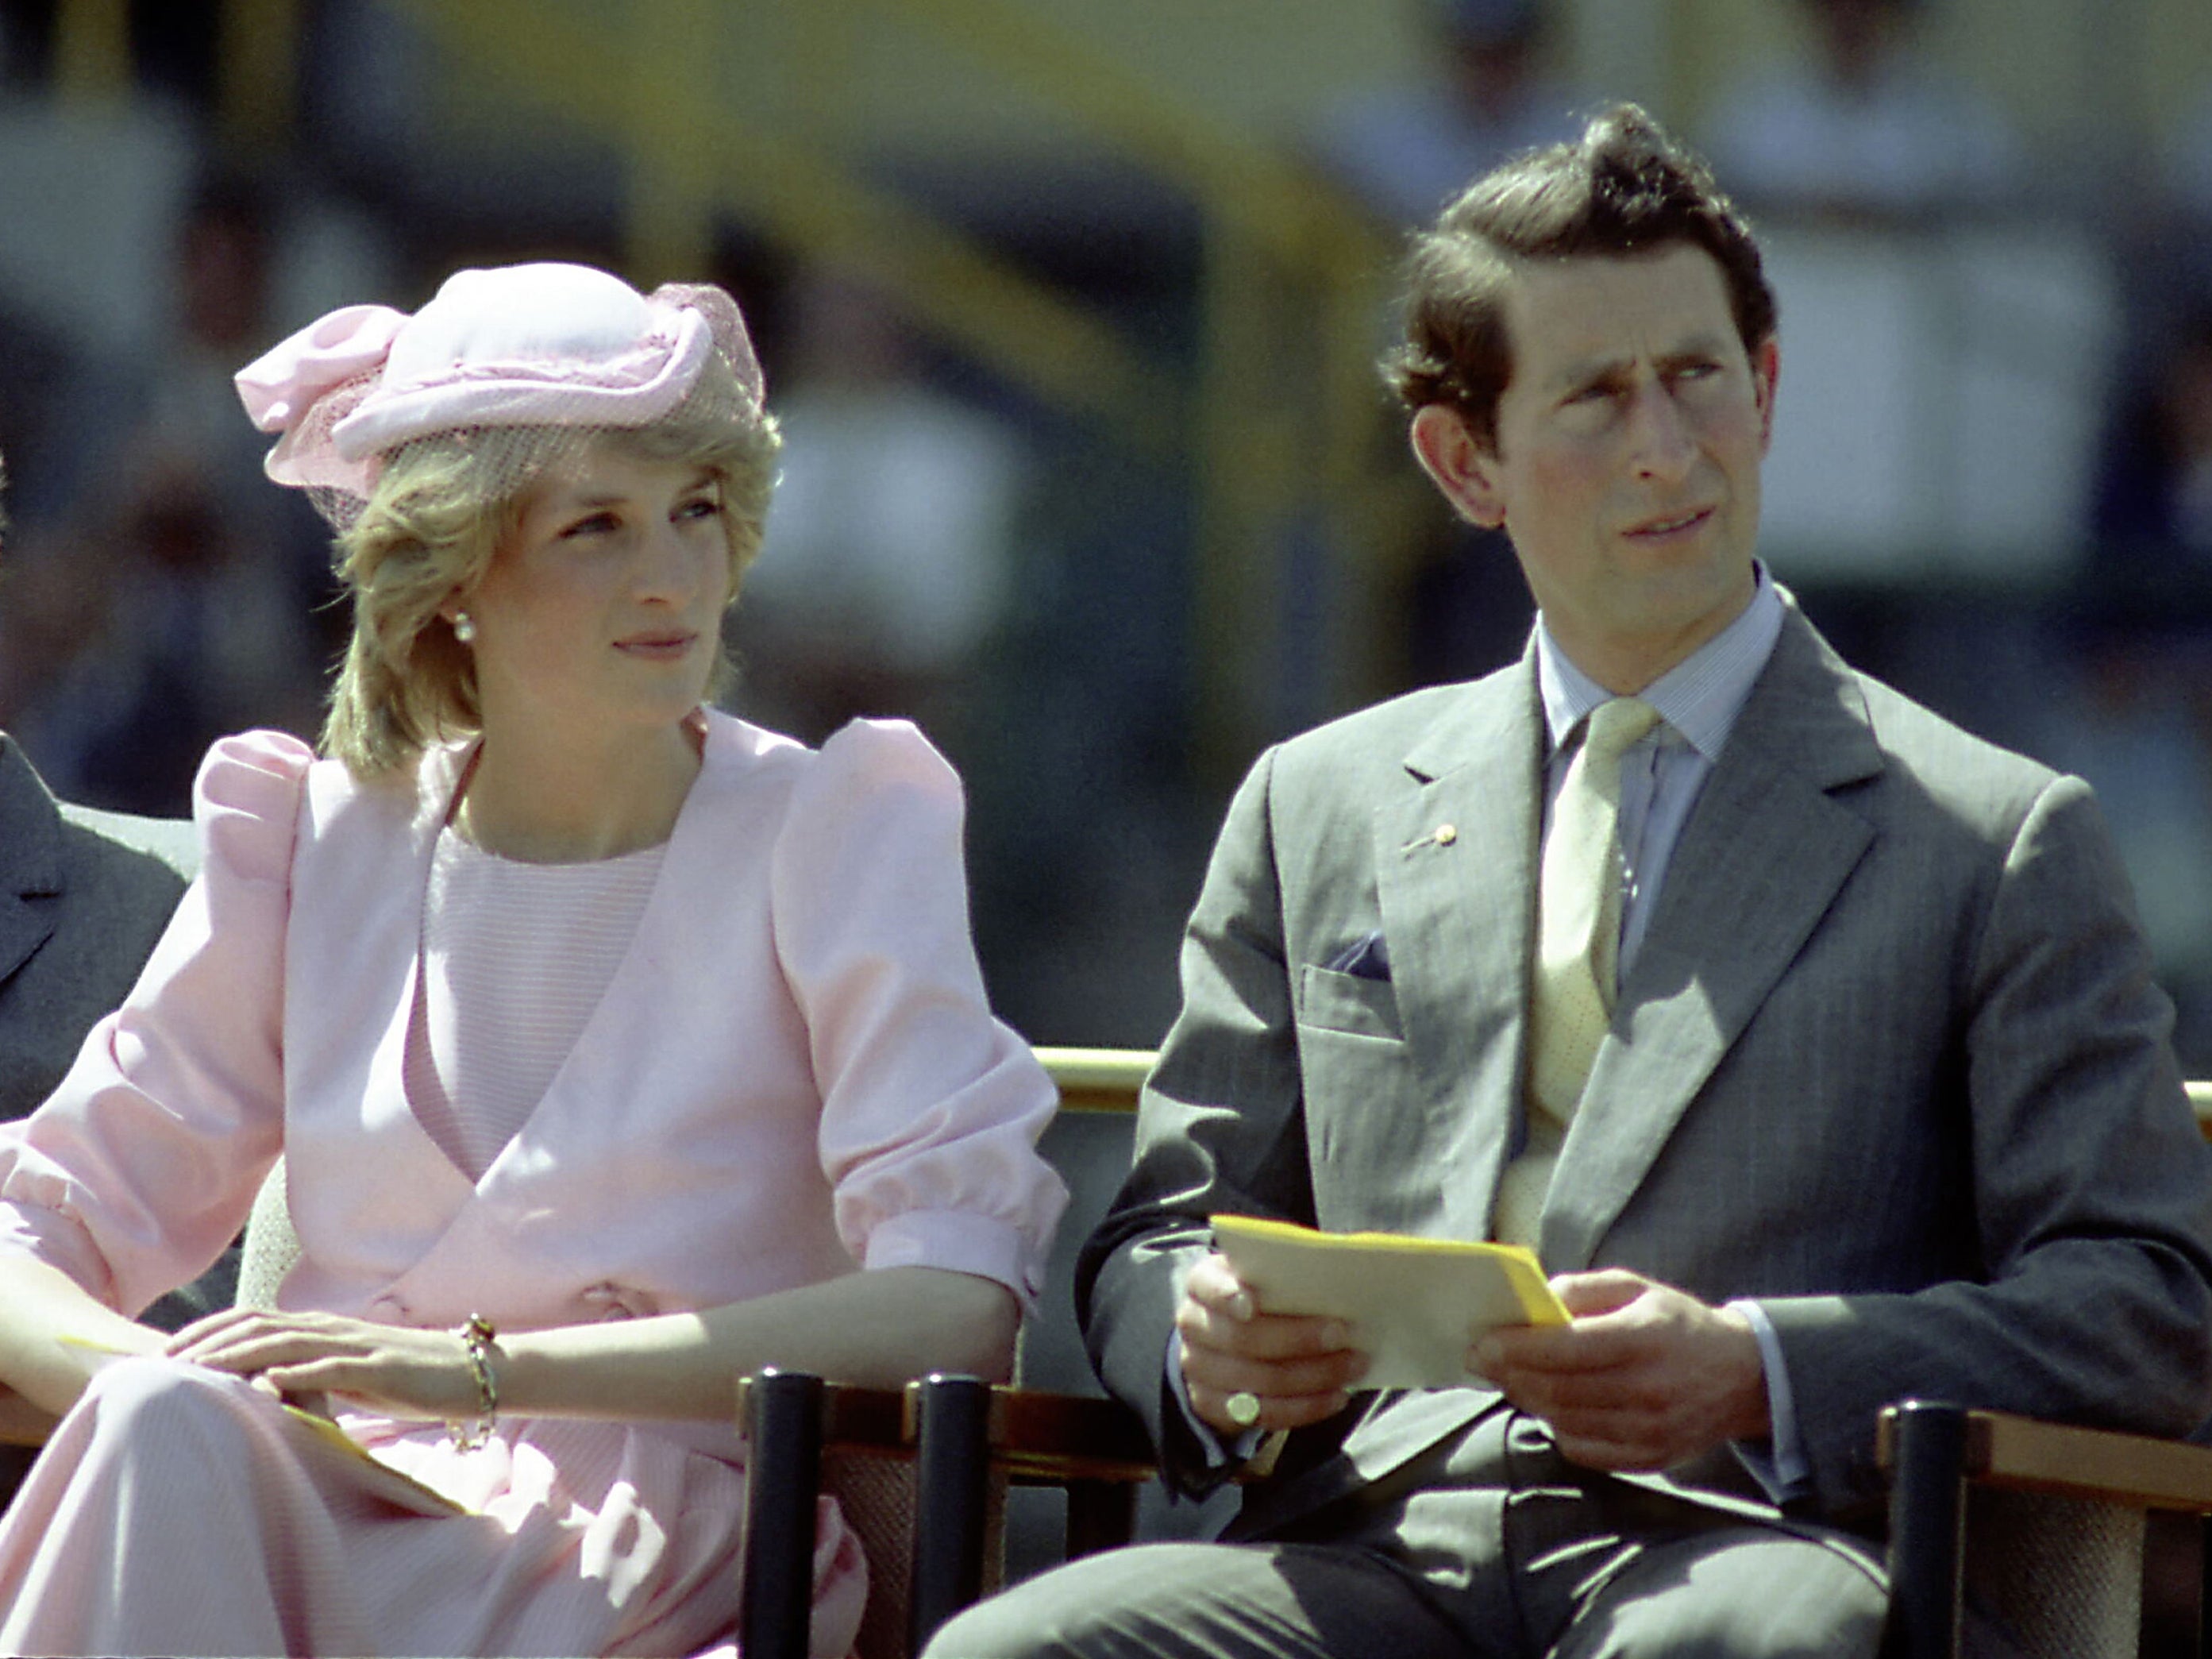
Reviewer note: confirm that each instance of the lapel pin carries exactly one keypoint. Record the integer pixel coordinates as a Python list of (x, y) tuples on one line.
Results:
[(1443, 835)]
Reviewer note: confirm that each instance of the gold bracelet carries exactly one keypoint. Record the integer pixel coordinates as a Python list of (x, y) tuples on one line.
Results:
[(480, 1339)]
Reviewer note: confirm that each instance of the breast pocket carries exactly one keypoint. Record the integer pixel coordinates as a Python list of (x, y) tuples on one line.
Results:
[(1349, 1003)]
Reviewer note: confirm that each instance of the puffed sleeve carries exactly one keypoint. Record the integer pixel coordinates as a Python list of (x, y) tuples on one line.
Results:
[(140, 1167), (931, 1107)]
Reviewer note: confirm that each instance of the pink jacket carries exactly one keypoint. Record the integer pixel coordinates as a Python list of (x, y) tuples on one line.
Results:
[(793, 1071)]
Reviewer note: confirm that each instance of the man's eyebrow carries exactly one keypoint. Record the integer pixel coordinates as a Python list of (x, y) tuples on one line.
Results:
[(1704, 344), (1590, 371)]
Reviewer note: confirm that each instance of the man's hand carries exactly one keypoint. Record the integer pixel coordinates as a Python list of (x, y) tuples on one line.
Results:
[(1298, 1368), (1644, 1378)]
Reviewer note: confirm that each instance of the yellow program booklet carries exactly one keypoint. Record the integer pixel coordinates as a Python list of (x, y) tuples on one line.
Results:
[(1414, 1305)]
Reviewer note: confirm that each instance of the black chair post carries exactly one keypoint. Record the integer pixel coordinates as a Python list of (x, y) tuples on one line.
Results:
[(783, 1473), (1927, 1532), (952, 1467)]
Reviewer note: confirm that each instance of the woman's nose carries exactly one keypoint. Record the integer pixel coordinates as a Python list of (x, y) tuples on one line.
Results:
[(672, 564)]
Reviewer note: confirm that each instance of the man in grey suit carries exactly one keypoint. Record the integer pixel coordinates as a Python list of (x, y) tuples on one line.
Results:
[(1878, 1101)]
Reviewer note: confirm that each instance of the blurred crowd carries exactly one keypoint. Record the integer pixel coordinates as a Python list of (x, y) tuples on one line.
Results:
[(942, 547)]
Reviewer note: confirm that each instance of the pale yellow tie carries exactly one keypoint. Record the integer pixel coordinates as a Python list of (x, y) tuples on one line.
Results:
[(1578, 945)]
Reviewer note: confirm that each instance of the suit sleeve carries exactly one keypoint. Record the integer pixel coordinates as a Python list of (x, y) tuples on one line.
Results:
[(1220, 1127), (2092, 1189), (139, 1171)]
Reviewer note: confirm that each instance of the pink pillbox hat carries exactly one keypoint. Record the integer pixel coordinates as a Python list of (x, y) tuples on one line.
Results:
[(518, 345)]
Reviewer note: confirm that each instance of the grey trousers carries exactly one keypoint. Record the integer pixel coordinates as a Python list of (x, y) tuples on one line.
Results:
[(1496, 1548)]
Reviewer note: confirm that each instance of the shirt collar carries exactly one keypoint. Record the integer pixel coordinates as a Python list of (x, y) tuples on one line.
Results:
[(1698, 697)]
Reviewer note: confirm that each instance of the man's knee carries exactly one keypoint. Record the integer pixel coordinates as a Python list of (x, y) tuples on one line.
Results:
[(1076, 1610), (1756, 1594), (1207, 1601)]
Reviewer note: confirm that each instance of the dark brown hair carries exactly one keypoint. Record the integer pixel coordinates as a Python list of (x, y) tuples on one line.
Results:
[(1625, 187)]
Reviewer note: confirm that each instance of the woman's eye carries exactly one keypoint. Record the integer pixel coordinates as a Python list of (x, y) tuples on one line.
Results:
[(705, 508), (598, 524)]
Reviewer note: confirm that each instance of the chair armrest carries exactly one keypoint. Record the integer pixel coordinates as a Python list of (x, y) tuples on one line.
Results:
[(2028, 1455), (1933, 1453), (1097, 1080), (1038, 1436), (22, 1424), (1034, 1434)]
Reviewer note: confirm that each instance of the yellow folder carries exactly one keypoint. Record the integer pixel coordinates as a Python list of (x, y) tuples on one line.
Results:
[(1414, 1305)]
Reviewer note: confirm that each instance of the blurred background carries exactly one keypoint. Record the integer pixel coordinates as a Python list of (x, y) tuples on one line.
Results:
[(1070, 312)]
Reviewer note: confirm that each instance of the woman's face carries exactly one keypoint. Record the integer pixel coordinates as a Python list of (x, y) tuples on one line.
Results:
[(603, 612)]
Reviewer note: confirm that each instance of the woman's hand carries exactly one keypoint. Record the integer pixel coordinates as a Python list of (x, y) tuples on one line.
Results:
[(396, 1369)]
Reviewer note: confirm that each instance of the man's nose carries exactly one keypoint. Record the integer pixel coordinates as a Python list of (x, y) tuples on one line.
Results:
[(1663, 445)]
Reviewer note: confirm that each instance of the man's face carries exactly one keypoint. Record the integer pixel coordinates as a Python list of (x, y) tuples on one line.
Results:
[(1626, 466)]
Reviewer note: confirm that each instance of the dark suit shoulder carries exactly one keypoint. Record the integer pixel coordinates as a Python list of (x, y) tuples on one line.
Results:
[(113, 840), (82, 901), (112, 875)]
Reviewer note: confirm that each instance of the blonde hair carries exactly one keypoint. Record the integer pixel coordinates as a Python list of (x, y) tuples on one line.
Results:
[(440, 510)]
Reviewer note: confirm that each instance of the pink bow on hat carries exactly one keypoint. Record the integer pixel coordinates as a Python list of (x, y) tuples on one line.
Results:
[(280, 386)]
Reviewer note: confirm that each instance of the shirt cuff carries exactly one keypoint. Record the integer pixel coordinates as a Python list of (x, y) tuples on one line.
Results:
[(1779, 1466), (1220, 1454), (962, 1241)]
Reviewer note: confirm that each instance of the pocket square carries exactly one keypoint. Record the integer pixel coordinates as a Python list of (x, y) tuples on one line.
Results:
[(1363, 958)]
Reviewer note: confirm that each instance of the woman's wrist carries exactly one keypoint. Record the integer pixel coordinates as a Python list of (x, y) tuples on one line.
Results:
[(480, 1342)]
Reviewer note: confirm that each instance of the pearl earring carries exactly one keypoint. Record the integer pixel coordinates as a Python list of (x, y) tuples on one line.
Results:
[(464, 628)]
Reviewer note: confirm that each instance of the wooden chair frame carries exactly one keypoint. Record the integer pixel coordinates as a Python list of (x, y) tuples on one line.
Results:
[(960, 1434), (1935, 1454), (965, 1440)]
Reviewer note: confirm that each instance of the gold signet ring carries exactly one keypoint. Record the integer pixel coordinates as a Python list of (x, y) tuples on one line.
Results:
[(1243, 1409)]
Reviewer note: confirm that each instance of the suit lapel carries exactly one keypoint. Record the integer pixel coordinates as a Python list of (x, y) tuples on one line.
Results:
[(1455, 857), (31, 831), (1759, 863)]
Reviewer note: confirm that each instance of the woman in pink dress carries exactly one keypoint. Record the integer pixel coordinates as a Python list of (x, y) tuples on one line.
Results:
[(615, 1049)]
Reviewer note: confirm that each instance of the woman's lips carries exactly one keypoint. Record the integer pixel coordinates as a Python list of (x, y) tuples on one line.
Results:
[(656, 647)]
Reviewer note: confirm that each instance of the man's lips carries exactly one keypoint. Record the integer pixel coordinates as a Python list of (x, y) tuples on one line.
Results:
[(1670, 524)]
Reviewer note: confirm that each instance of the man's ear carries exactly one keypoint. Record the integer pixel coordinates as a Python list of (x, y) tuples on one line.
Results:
[(1765, 375), (1467, 473)]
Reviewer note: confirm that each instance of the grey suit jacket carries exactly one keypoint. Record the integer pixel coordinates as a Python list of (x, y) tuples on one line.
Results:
[(1890, 1059), (83, 895)]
